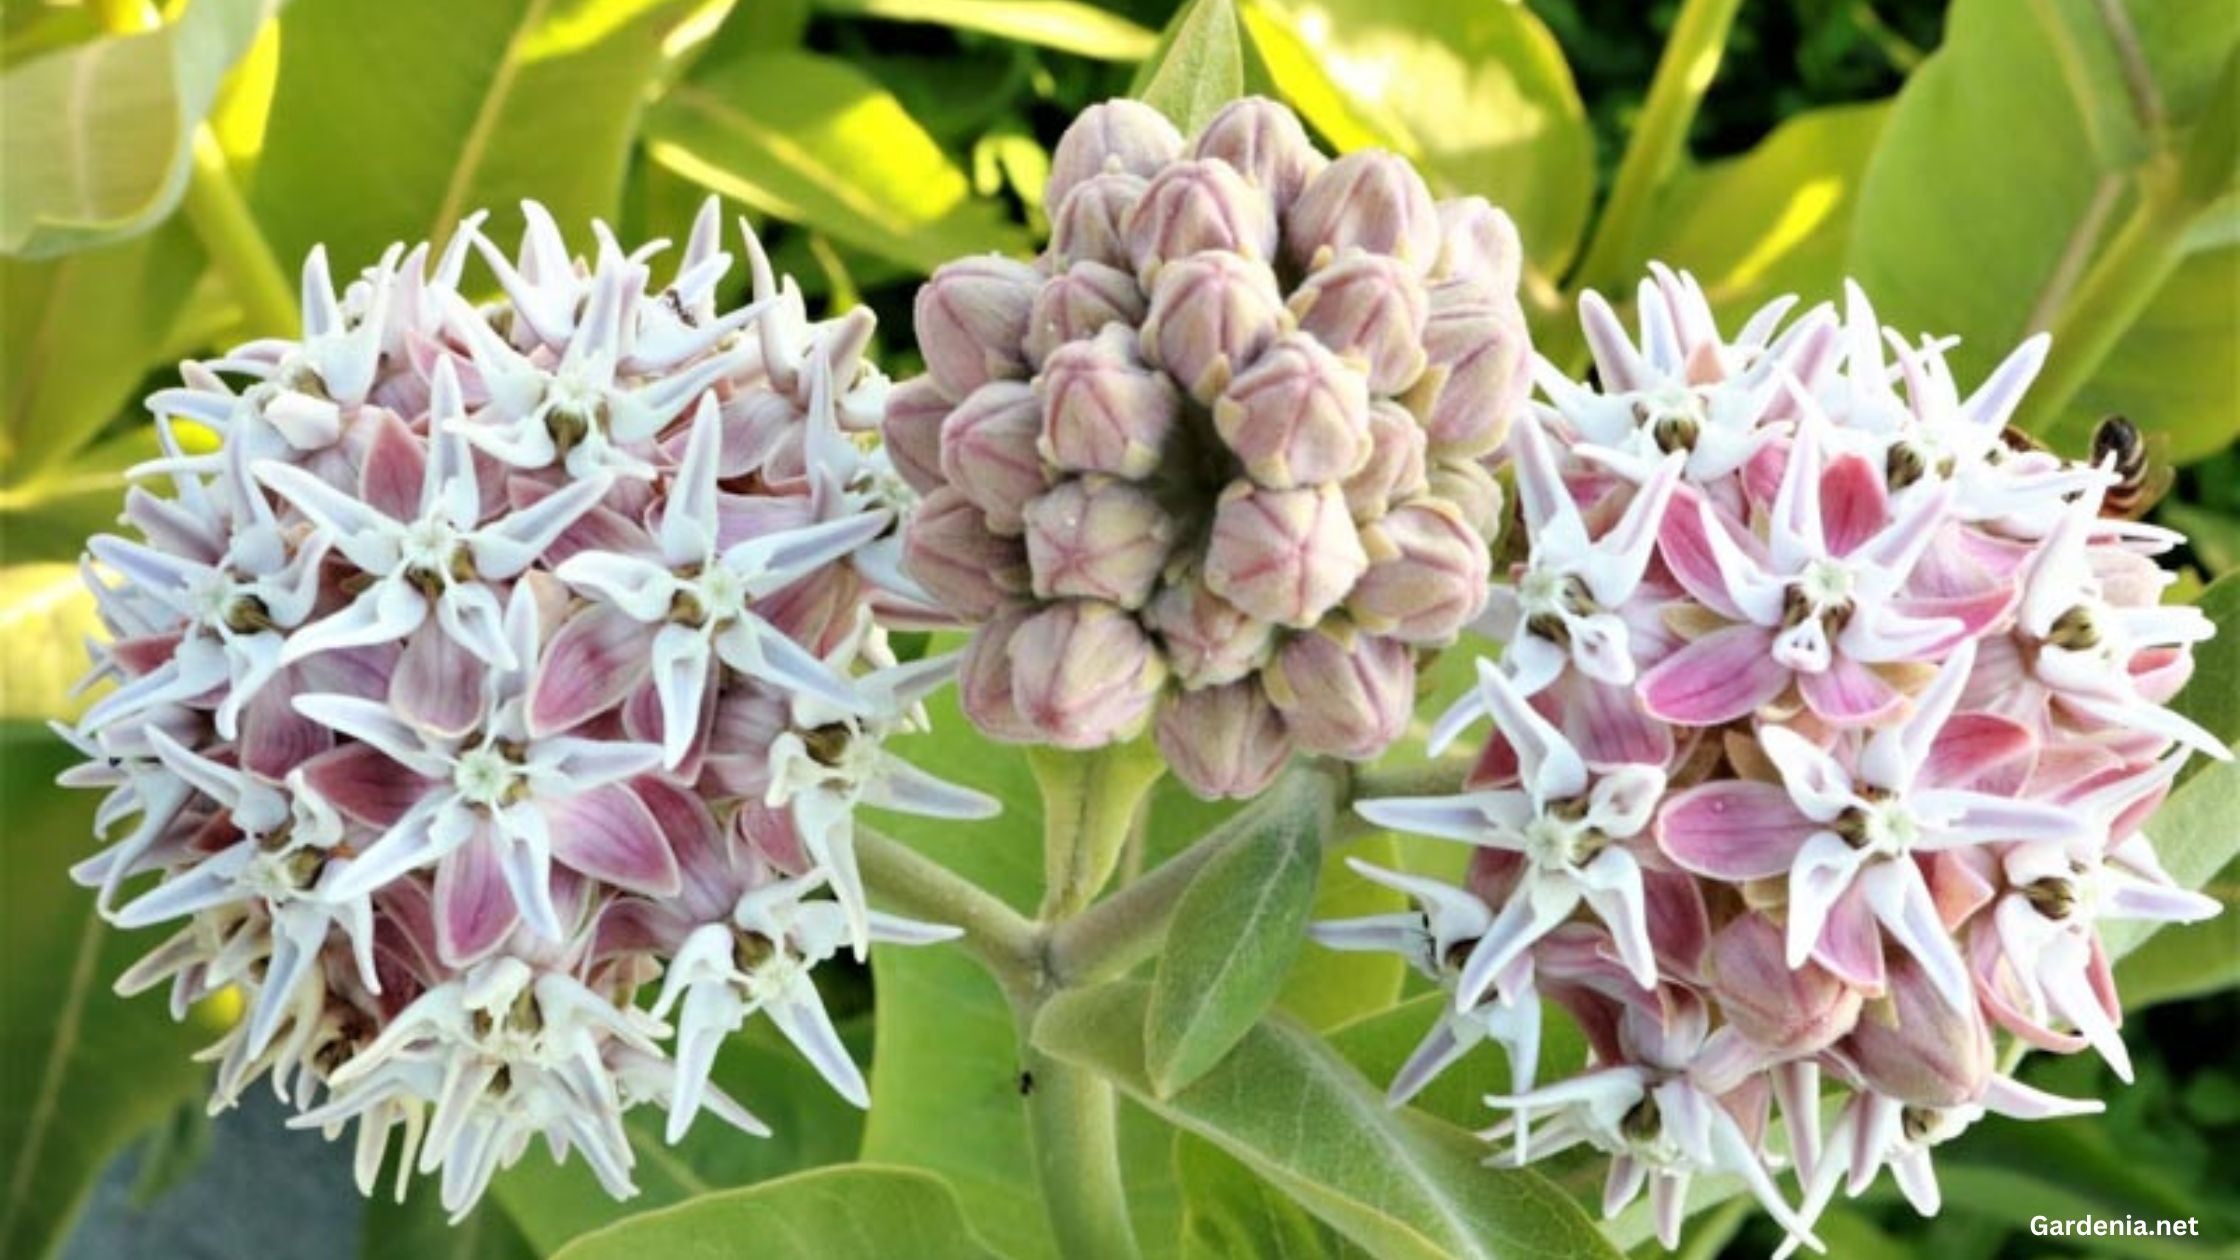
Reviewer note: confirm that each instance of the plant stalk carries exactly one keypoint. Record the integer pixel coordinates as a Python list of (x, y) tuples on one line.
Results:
[(1075, 1135), (1089, 805), (912, 884)]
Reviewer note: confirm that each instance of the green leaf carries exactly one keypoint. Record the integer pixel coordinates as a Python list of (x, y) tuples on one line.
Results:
[(810, 139), (420, 1229), (1236, 930), (1286, 1105), (2207, 697), (2195, 838), (1478, 96), (1377, 1046), (2187, 960), (45, 615), (82, 1071), (1199, 67), (1061, 24), (391, 122), (855, 1212), (2172, 372), (1326, 988), (2010, 159), (1776, 219), (100, 135), (1230, 1214)]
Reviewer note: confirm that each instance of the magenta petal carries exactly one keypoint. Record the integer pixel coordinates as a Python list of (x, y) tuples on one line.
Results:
[(1849, 694), (1606, 724), (590, 665), (1679, 923), (1734, 829), (438, 683), (1850, 944), (1853, 504), (1718, 678), (473, 909), (609, 834), (1976, 612), (702, 851), (1982, 751), (365, 784), (1687, 552), (274, 737)]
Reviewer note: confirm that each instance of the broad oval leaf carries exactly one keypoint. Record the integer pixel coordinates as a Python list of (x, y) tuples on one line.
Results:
[(812, 140), (1066, 25), (100, 135), (1327, 988), (1477, 95), (1285, 1103), (854, 1212), (534, 99), (1236, 930), (1230, 1214)]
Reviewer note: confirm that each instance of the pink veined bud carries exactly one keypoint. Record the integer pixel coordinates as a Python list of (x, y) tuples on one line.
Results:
[(1427, 574), (1342, 692), (1223, 741), (984, 679), (1096, 537), (1211, 316), (988, 451), (1782, 1011), (1470, 486), (1091, 224), (1193, 206), (1479, 246), (912, 429), (1208, 640), (971, 319), (1370, 200), (1266, 144), (1915, 1047), (1395, 467), (1286, 556), (1479, 373), (1077, 303), (1298, 416), (1103, 410), (1083, 674), (1118, 134), (1369, 307), (953, 554)]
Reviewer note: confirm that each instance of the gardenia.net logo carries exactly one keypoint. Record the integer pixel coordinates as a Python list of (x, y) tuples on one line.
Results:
[(2113, 1226)]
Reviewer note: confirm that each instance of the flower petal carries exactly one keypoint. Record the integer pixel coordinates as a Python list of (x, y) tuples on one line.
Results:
[(1718, 678), (1733, 830), (610, 835)]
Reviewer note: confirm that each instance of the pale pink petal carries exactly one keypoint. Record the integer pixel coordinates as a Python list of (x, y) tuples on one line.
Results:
[(473, 909), (1733, 830), (438, 684), (1853, 503), (365, 784), (1850, 944), (1718, 678), (389, 477), (597, 658), (1982, 751), (1848, 693), (609, 834)]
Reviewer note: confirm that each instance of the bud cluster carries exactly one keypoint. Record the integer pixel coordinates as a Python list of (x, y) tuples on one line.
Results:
[(1218, 459), (1826, 720), (499, 662)]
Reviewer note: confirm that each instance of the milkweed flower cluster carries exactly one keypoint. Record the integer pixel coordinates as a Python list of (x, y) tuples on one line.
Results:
[(1824, 727), (1217, 461), (501, 662)]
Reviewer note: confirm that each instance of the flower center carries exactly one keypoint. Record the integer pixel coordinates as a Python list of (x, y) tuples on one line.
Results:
[(488, 776), (1673, 417)]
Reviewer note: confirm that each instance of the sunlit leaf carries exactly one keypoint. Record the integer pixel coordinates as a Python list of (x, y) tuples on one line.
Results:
[(1199, 66), (100, 134), (2173, 372), (45, 616), (854, 1212), (1065, 25), (1329, 987)]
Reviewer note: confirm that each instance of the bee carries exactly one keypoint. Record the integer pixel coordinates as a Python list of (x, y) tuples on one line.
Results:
[(2141, 479)]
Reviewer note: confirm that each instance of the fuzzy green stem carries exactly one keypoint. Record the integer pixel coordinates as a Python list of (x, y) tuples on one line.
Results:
[(909, 883), (1089, 804), (236, 245), (1075, 1134), (1684, 73)]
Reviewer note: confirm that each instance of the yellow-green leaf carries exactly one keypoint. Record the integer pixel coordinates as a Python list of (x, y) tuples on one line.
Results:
[(1065, 25), (854, 1212)]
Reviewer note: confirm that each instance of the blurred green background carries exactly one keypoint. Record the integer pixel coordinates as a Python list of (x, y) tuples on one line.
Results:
[(1987, 168)]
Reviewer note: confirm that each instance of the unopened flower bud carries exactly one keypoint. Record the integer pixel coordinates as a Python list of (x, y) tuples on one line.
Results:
[(1265, 143), (1369, 307), (971, 318), (1470, 486), (953, 554), (1083, 674), (1298, 416), (1427, 574), (1096, 537), (1915, 1046), (1208, 640), (1091, 224), (1286, 556), (984, 678), (1343, 693), (1395, 467), (1118, 134), (1102, 409), (1224, 741), (1211, 316), (988, 451), (1079, 301), (1479, 245), (912, 429), (1783, 1011), (1370, 200), (1193, 206), (1479, 372)]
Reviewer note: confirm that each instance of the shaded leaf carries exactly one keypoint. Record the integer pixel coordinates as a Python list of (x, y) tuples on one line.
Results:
[(2186, 960), (1199, 67), (1061, 24), (1294, 1112), (1377, 1045), (854, 1212), (2208, 695), (1236, 930), (1326, 988), (420, 1229), (1230, 1214)]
